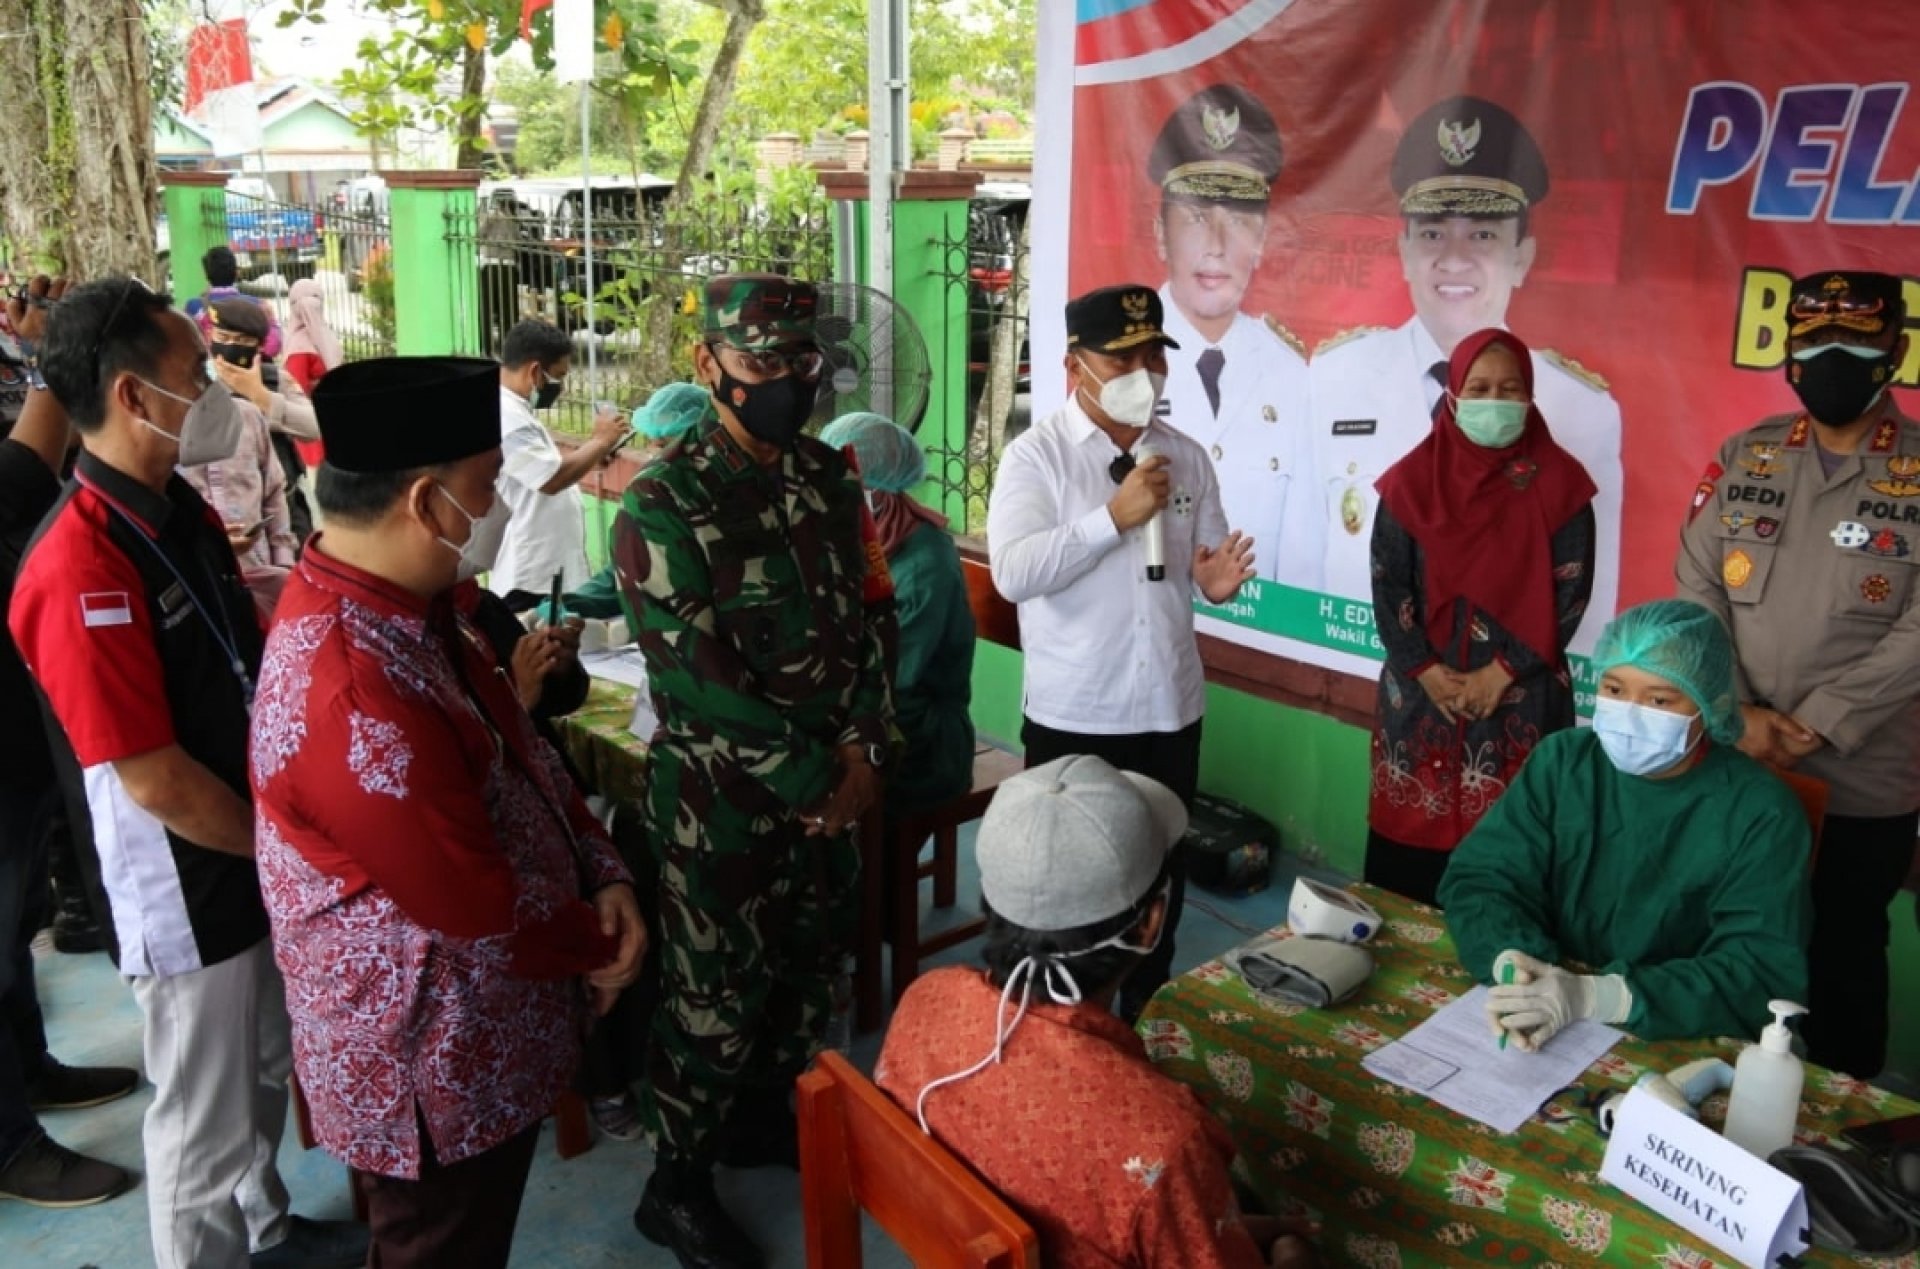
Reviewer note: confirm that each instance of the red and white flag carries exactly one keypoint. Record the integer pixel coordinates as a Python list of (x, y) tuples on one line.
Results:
[(105, 608), (220, 95)]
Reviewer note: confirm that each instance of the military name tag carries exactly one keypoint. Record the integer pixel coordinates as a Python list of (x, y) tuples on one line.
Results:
[(1355, 427)]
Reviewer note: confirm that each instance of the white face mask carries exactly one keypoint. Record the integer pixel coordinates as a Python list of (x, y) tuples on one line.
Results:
[(485, 533), (1128, 399), (211, 431), (1639, 739)]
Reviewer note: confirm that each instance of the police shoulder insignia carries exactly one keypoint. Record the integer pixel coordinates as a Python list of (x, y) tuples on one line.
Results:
[(1332, 342), (1703, 492), (1563, 362), (1284, 335)]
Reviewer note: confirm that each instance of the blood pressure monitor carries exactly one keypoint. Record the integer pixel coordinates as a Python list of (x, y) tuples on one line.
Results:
[(1320, 911)]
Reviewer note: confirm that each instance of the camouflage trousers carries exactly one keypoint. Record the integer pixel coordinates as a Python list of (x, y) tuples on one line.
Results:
[(755, 921)]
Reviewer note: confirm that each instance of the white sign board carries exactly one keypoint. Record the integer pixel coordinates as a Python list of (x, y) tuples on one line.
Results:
[(1705, 1184)]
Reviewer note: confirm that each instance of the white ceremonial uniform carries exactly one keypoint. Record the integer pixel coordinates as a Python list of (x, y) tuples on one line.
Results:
[(1108, 652), (1372, 402), (1258, 441)]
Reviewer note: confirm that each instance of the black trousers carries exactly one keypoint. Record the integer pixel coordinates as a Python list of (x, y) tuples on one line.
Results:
[(23, 890), (1172, 758), (1862, 864), (1405, 869), (453, 1213)]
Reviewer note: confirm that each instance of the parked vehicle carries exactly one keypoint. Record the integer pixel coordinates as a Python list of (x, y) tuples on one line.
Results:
[(266, 234), (532, 234), (995, 220)]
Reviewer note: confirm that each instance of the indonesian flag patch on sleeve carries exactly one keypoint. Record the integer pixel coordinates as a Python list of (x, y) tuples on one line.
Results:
[(106, 608), (1703, 492)]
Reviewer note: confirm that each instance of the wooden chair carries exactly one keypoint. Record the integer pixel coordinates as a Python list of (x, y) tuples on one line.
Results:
[(858, 1150), (1812, 792), (891, 886)]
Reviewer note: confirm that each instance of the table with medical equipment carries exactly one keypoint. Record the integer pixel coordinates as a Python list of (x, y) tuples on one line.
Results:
[(1395, 1178)]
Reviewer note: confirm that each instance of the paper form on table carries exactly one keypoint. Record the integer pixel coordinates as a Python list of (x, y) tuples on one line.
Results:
[(1452, 1058)]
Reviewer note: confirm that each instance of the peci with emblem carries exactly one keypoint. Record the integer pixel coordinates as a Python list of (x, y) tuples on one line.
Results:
[(1236, 383), (1466, 176)]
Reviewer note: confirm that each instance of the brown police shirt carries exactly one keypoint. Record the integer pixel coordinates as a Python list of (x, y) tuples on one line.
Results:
[(1816, 576)]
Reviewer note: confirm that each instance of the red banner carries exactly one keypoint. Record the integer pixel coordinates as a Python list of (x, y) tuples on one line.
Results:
[(1697, 155)]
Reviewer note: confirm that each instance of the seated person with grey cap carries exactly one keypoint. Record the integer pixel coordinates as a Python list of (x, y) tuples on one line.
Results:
[(997, 1064)]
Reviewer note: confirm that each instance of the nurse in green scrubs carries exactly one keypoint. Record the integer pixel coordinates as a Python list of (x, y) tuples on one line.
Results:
[(1642, 872)]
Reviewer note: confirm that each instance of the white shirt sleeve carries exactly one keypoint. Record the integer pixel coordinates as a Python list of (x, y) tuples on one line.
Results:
[(530, 456), (1030, 553)]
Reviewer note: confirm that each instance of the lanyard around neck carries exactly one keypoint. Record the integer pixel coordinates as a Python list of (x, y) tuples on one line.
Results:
[(221, 630)]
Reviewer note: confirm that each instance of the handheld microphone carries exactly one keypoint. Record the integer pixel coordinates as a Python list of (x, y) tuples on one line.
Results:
[(1156, 533)]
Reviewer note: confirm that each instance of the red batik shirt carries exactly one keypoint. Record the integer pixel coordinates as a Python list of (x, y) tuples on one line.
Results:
[(1111, 1162), (423, 857)]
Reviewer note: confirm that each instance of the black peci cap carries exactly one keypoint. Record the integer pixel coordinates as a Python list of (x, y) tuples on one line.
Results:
[(399, 413)]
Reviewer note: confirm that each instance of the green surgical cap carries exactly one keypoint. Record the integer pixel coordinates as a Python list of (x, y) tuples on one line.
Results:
[(677, 410), (891, 461), (1686, 645)]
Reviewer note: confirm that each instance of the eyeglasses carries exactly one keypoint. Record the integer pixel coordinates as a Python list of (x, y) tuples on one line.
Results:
[(772, 363)]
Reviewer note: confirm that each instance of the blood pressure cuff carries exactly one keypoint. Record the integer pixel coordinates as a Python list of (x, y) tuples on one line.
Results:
[(1850, 1208), (1304, 971)]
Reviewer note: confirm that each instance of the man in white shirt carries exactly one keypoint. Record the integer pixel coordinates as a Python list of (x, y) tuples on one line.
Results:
[(1112, 667), (546, 533)]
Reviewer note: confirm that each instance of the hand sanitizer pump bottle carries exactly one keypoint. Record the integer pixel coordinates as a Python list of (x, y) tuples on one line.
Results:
[(1766, 1087)]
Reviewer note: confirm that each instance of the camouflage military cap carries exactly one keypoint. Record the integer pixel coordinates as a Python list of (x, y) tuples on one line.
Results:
[(1219, 146), (1852, 299), (759, 310), (1116, 318), (1466, 156)]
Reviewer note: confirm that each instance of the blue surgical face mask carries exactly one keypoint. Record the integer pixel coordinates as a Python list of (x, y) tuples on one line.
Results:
[(1639, 739), (1490, 423)]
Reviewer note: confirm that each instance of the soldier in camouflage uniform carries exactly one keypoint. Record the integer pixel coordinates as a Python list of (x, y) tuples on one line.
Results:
[(740, 560)]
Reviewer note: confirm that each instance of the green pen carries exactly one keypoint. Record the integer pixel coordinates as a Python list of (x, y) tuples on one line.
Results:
[(1506, 979)]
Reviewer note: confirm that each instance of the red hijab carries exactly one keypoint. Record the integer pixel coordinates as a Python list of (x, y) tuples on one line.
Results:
[(1485, 518)]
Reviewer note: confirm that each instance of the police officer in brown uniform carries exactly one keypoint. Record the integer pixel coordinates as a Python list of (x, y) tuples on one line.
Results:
[(1803, 535)]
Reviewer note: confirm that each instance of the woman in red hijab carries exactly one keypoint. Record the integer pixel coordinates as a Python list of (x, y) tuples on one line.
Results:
[(1482, 565)]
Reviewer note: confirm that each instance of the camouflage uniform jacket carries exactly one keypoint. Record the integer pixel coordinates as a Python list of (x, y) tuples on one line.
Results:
[(743, 585)]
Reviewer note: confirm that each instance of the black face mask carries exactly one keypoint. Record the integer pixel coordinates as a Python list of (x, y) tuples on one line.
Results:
[(1838, 387), (240, 355), (774, 411), (547, 393)]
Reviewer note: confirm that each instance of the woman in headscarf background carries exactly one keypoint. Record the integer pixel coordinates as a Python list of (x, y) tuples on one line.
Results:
[(309, 350), (1647, 849), (933, 683), (1482, 566)]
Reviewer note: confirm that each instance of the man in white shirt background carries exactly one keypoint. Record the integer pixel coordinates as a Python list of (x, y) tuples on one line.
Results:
[(546, 532), (1112, 667)]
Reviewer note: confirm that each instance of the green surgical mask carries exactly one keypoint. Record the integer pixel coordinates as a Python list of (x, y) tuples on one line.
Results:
[(1491, 424)]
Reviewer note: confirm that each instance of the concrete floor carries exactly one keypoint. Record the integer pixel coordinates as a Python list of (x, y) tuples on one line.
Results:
[(576, 1213)]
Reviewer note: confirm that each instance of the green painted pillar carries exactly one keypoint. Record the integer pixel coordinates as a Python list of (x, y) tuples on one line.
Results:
[(195, 204), (435, 269), (930, 282)]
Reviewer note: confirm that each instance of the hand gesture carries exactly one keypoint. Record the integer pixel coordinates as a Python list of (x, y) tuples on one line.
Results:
[(609, 426), (537, 655), (1219, 571), (28, 315), (1142, 494), (241, 538), (1481, 690), (1443, 687), (1771, 736), (244, 381), (853, 793), (619, 917)]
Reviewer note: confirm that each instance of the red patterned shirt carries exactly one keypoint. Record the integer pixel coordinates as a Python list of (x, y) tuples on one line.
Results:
[(423, 856), (1111, 1162)]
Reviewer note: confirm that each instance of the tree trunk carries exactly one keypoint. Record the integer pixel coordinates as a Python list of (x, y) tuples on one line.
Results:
[(742, 16), (77, 157), (472, 152), (988, 436)]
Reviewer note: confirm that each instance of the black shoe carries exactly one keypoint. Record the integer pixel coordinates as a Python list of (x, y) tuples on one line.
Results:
[(77, 933), (680, 1212), (60, 1087), (311, 1244), (47, 1174)]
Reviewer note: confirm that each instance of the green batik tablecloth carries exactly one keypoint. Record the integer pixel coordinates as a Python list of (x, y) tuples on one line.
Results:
[(613, 759), (1397, 1180)]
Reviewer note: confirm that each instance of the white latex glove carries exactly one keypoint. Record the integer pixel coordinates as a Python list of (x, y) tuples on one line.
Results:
[(1543, 998)]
